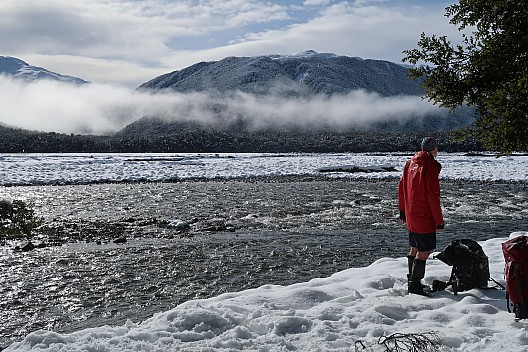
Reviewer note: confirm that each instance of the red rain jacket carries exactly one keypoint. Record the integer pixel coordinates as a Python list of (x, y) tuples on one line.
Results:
[(419, 193)]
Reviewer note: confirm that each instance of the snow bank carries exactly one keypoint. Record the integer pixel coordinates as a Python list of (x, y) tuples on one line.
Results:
[(325, 314)]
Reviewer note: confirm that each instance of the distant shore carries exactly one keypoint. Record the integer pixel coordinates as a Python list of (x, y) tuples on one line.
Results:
[(170, 139)]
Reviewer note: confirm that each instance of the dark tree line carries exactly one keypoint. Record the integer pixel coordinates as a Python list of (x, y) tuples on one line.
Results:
[(223, 141)]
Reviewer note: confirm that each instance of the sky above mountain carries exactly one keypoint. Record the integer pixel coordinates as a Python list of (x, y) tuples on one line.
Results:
[(128, 42)]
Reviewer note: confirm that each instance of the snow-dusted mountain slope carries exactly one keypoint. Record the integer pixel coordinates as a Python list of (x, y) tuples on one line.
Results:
[(13, 67), (302, 74)]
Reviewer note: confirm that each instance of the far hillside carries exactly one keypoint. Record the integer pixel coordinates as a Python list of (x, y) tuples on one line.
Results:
[(301, 78), (237, 94), (159, 137)]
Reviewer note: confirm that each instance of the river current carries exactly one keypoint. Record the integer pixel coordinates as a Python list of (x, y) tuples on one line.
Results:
[(197, 239)]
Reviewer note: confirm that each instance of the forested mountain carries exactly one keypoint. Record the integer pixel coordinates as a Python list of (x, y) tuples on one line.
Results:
[(294, 77), (307, 73), (300, 78)]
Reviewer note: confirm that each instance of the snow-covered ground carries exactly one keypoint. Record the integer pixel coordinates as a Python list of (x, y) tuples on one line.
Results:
[(326, 314), (21, 169), (350, 309)]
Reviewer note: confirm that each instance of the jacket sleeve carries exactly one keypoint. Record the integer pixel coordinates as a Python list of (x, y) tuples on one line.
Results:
[(401, 191), (433, 192)]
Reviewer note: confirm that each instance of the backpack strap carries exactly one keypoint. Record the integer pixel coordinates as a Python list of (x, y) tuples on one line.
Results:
[(454, 279), (498, 284)]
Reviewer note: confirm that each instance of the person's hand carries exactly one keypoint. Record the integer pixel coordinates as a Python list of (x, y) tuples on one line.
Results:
[(403, 219), (440, 228)]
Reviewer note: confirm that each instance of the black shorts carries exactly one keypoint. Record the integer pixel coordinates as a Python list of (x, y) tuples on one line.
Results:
[(423, 241)]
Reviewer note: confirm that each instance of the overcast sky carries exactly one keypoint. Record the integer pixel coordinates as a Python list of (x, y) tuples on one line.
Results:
[(128, 42)]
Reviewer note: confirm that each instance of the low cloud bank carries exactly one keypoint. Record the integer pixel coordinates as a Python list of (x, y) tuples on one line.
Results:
[(101, 109)]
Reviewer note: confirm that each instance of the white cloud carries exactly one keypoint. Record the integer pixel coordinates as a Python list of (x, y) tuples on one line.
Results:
[(123, 41), (82, 28), (368, 32), (99, 109), (114, 72), (356, 109), (118, 29), (144, 34), (316, 2), (360, 31)]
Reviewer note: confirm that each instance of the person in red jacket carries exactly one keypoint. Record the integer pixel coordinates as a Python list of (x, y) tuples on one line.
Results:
[(419, 205)]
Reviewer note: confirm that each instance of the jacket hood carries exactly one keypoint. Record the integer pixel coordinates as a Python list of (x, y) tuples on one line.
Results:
[(423, 157)]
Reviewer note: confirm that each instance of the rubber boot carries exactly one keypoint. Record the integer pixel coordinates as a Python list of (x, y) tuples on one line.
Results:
[(410, 262), (417, 274)]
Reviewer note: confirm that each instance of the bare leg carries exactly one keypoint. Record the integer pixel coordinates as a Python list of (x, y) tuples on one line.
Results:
[(410, 260), (423, 255)]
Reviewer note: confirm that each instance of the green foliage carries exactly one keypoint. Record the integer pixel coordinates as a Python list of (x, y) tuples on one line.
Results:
[(488, 71), (18, 218)]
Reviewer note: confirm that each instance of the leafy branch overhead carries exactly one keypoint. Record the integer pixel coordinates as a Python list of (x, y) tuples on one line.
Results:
[(488, 70)]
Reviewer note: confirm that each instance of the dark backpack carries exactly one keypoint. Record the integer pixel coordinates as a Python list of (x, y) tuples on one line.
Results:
[(470, 266), (516, 271)]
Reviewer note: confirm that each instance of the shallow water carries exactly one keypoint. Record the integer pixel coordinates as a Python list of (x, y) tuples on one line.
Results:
[(243, 233)]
